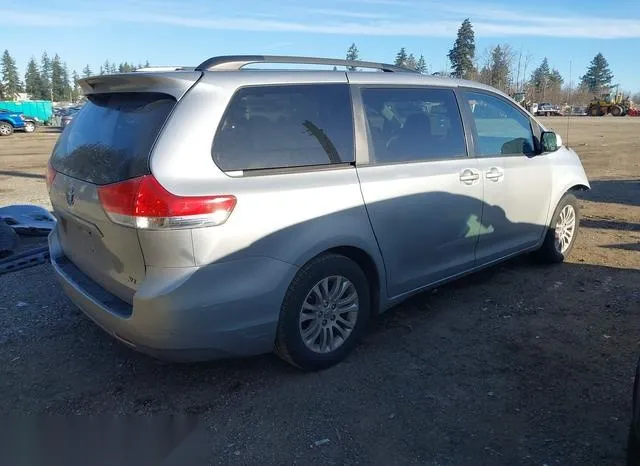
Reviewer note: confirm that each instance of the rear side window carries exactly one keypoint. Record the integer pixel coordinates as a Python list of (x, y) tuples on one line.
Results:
[(111, 137), (285, 126), (413, 124), (501, 128)]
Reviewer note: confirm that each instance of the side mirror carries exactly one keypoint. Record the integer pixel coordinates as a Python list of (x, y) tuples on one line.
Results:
[(550, 141)]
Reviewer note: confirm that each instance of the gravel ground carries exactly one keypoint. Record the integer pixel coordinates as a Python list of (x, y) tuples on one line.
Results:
[(519, 364)]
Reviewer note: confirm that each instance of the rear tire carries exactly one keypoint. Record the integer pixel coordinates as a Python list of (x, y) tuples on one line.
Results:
[(6, 129), (562, 233), (324, 313), (29, 127)]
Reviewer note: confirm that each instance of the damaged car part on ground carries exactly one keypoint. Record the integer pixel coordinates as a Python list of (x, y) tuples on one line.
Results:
[(27, 220)]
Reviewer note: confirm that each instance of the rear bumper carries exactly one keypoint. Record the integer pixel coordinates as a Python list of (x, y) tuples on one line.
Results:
[(225, 309)]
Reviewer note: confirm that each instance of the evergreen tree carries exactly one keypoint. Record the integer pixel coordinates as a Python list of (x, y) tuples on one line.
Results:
[(76, 92), (59, 80), (86, 72), (540, 79), (598, 74), (411, 63), (113, 69), (555, 79), (33, 82), (545, 81), (11, 84), (401, 57), (352, 54), (68, 87), (497, 71), (105, 68), (125, 68), (463, 52), (421, 66), (45, 75)]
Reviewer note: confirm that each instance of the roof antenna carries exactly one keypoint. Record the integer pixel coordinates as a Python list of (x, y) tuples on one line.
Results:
[(570, 104)]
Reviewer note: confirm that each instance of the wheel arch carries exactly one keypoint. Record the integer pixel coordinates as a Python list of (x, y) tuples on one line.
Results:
[(579, 187), (573, 186), (371, 265), (368, 266)]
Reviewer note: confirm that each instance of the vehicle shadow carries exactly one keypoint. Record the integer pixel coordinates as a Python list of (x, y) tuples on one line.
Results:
[(624, 246), (625, 192), (609, 224), (21, 174)]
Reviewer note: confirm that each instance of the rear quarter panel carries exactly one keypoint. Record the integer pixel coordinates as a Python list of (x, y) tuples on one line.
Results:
[(291, 217)]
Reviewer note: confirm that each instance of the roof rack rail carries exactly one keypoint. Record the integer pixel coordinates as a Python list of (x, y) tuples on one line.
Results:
[(237, 62), (164, 68)]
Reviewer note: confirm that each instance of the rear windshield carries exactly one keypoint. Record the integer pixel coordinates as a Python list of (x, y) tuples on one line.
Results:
[(110, 138), (286, 126)]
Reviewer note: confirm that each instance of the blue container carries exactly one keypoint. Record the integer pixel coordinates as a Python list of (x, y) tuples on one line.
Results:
[(40, 109)]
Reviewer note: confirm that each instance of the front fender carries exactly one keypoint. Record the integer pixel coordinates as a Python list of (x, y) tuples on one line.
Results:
[(568, 174)]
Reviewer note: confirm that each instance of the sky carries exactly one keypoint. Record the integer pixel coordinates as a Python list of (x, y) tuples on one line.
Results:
[(185, 32)]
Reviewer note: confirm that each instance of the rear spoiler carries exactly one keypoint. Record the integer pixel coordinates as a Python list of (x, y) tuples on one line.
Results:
[(174, 83)]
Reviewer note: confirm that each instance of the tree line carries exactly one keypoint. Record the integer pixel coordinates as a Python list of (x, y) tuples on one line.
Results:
[(49, 78), (505, 69)]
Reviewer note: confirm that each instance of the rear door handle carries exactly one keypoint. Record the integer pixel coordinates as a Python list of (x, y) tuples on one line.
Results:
[(494, 174), (468, 176)]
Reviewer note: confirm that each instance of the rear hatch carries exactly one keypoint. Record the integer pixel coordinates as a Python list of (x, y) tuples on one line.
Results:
[(109, 141)]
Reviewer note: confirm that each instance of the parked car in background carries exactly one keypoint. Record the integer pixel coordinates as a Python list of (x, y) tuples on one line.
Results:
[(10, 122), (215, 211), (65, 120), (547, 109), (66, 116)]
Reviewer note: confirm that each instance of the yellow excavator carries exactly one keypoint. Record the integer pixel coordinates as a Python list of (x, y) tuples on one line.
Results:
[(614, 103)]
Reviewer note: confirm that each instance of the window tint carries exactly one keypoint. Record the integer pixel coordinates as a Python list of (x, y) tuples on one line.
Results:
[(412, 124), (286, 126), (110, 139), (502, 128)]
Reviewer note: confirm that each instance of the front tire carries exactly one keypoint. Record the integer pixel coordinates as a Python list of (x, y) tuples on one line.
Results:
[(324, 313), (6, 129), (562, 233)]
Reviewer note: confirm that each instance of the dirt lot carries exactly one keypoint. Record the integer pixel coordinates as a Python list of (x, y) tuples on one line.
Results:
[(520, 364)]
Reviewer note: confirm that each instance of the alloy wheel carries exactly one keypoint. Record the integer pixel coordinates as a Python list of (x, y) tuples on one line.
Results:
[(565, 228), (329, 314)]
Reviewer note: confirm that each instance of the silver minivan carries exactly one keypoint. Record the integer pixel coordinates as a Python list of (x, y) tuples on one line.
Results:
[(227, 211)]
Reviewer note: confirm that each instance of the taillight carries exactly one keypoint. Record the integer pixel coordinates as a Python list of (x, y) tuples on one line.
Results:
[(50, 176), (143, 203)]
